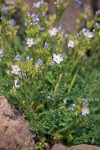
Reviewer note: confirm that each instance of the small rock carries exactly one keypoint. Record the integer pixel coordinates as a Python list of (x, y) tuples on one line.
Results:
[(14, 131), (59, 147), (84, 147), (77, 147)]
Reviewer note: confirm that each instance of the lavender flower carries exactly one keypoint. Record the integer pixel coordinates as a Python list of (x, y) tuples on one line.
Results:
[(62, 1), (52, 63), (2, 53), (11, 23), (87, 33), (27, 13), (65, 35), (17, 57), (25, 22), (79, 2), (53, 32), (43, 68), (72, 107), (71, 44), (16, 69), (46, 45), (57, 58), (85, 111), (17, 83), (85, 101), (35, 42), (29, 42), (2, 18), (5, 9), (35, 18), (12, 2), (38, 4), (39, 63), (96, 24), (77, 35), (43, 13), (98, 12)]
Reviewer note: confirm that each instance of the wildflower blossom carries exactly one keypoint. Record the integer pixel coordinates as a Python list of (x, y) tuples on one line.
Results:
[(35, 42), (46, 45), (52, 63), (85, 111), (71, 44), (27, 13), (5, 9), (16, 69), (1, 52), (79, 2), (25, 22), (43, 13), (84, 30), (17, 83), (85, 101), (29, 42), (2, 18), (43, 68), (38, 4), (96, 24), (35, 18), (12, 2), (23, 73), (53, 31), (98, 12), (11, 23), (65, 35), (88, 34), (57, 58), (62, 1), (39, 63), (17, 57), (77, 35), (72, 107)]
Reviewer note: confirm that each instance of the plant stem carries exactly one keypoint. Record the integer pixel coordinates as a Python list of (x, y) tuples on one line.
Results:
[(73, 80)]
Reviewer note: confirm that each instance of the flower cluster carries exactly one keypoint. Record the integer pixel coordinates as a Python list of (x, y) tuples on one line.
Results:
[(85, 109), (46, 72)]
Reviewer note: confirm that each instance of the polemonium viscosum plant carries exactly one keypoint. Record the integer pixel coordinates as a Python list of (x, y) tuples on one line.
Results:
[(50, 77)]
